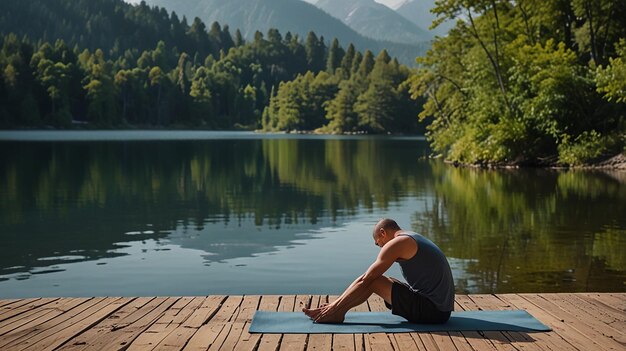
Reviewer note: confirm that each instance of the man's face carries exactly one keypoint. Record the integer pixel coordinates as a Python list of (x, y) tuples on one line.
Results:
[(379, 238)]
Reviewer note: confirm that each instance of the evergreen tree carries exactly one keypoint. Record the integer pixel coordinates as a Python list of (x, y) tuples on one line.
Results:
[(100, 89), (335, 55)]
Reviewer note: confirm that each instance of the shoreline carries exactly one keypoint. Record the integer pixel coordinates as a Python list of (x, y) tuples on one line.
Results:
[(615, 163)]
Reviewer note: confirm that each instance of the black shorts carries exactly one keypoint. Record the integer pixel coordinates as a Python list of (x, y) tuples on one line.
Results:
[(414, 307)]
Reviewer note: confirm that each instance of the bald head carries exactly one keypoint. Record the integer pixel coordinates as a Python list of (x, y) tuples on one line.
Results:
[(389, 225)]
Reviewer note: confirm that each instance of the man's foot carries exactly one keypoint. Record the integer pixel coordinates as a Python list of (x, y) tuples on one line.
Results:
[(321, 315)]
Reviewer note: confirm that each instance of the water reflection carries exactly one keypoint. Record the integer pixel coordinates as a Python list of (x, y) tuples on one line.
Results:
[(239, 201), (531, 230)]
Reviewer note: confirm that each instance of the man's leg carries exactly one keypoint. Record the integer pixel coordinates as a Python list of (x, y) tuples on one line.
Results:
[(380, 286)]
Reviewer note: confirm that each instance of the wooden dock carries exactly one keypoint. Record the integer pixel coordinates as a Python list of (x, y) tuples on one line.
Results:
[(581, 321)]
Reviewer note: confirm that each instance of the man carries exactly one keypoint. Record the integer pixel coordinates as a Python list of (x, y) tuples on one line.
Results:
[(427, 298)]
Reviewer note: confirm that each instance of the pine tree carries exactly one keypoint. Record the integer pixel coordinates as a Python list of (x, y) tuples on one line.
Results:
[(335, 55)]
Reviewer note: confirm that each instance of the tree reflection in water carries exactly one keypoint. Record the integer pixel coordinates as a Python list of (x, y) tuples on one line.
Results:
[(514, 230)]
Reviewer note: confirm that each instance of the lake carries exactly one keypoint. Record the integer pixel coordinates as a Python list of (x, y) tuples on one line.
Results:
[(196, 213)]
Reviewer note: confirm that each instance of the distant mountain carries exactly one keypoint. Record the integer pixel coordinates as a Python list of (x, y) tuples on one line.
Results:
[(295, 16), (418, 11), (375, 20)]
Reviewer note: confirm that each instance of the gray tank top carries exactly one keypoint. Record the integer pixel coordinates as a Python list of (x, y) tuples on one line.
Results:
[(428, 273)]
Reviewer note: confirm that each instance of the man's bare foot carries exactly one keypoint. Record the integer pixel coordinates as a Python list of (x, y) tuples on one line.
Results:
[(322, 315), (334, 318)]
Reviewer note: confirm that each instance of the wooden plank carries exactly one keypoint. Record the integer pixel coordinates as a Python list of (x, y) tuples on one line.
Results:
[(476, 339), (606, 314), (163, 328), (508, 340), (129, 313), (205, 312), (572, 323), (109, 335), (422, 341), (29, 315), (228, 321), (24, 306), (31, 327), (580, 321), (270, 342), (18, 302), (214, 332), (71, 323), (39, 325), (607, 301), (320, 341), (361, 341), (379, 341), (239, 338), (614, 299), (559, 338), (341, 341), (7, 302), (579, 310), (298, 342)]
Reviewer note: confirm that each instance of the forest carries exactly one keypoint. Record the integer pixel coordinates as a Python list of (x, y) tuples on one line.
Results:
[(108, 64), (526, 82), (513, 83)]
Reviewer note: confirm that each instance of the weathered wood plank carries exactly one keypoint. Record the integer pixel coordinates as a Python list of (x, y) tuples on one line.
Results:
[(573, 324), (379, 341), (7, 302), (511, 340), (165, 334), (610, 316), (607, 301), (239, 338), (123, 333), (126, 315), (341, 341), (211, 333), (205, 312), (32, 327), (320, 341), (478, 341), (18, 302), (580, 322), (270, 342), (15, 310), (298, 342), (579, 310), (559, 338), (440, 341), (34, 316), (361, 341), (72, 323)]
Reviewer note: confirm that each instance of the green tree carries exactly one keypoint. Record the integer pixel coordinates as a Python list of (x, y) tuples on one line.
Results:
[(100, 88)]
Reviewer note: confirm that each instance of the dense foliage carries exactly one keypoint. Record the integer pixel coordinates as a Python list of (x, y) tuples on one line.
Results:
[(527, 81), (193, 77), (354, 95)]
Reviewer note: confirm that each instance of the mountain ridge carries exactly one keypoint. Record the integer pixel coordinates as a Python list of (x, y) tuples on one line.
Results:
[(375, 20), (295, 16)]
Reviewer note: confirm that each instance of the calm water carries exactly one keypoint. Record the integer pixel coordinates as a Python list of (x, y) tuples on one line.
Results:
[(237, 213)]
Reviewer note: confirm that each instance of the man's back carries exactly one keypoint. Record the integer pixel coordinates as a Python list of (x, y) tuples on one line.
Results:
[(428, 273)]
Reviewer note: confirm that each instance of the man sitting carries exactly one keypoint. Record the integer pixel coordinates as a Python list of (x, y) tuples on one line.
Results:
[(427, 298)]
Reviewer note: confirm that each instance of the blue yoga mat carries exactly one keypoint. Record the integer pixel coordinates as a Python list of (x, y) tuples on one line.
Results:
[(385, 322)]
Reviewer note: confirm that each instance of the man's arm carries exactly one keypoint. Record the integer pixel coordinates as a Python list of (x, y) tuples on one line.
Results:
[(361, 288)]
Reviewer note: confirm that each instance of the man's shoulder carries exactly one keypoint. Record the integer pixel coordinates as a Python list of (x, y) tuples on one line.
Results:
[(404, 245)]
